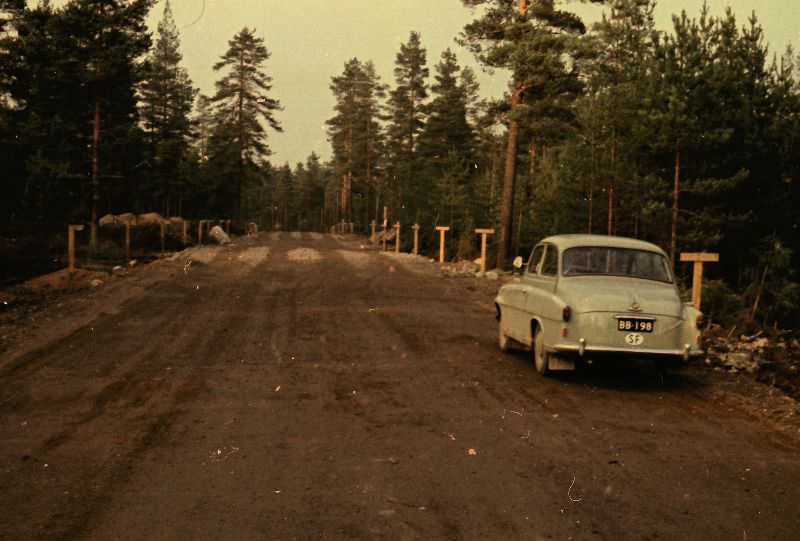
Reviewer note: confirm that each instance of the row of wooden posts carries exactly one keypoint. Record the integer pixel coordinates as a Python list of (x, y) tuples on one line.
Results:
[(483, 232), (201, 226), (698, 259)]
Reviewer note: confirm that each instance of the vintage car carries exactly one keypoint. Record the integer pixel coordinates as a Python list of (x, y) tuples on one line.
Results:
[(587, 297)]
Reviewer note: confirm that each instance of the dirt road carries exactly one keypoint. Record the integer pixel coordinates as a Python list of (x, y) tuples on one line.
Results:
[(298, 387)]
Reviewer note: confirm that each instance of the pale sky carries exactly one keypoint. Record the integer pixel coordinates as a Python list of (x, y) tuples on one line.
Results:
[(310, 40)]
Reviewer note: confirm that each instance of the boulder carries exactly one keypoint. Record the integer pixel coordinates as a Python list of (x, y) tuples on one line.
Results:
[(741, 360), (108, 219), (126, 218), (151, 218), (219, 235)]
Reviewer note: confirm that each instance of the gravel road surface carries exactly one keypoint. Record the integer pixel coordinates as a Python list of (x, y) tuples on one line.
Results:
[(297, 386)]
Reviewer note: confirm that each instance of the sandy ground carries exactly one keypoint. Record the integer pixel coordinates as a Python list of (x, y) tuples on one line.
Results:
[(298, 387)]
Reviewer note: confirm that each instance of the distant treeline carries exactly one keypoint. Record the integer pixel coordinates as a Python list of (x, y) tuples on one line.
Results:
[(688, 138)]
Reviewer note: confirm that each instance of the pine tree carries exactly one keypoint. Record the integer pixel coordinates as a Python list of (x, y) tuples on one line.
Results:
[(167, 98), (621, 49), (241, 103), (110, 38), (536, 42)]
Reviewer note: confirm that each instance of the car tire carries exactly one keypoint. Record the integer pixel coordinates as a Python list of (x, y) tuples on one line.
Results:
[(502, 340), (540, 356)]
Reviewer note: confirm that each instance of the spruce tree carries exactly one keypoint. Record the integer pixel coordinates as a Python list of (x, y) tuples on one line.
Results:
[(242, 102), (167, 97), (407, 119)]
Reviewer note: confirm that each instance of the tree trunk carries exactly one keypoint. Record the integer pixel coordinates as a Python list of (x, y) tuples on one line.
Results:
[(369, 165), (95, 172), (612, 181), (676, 190), (240, 183), (593, 175), (504, 246), (506, 212)]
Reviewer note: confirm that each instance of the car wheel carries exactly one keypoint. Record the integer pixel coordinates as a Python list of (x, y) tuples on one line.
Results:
[(502, 340), (540, 356)]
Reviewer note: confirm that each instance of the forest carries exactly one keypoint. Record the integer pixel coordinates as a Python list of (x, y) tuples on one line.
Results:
[(688, 138)]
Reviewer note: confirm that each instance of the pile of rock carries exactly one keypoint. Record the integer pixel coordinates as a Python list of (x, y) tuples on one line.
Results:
[(465, 267), (752, 354)]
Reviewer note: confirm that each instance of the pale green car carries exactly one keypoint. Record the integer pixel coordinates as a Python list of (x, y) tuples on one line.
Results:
[(586, 297)]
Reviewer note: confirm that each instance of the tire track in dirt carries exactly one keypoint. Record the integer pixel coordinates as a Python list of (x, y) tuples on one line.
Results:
[(136, 393)]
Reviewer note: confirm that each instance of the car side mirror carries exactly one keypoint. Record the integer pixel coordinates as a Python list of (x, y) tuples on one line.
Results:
[(517, 264)]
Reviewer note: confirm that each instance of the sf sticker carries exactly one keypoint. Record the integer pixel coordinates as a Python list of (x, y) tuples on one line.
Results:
[(634, 339)]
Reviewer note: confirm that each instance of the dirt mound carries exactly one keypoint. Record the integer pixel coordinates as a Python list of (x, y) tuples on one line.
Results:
[(61, 280)]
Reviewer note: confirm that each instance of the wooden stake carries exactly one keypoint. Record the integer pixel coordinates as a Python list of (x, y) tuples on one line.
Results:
[(484, 233), (71, 247), (200, 232), (385, 225), (372, 228), (442, 230), (415, 227), (162, 239), (397, 238), (185, 232), (699, 259), (127, 241)]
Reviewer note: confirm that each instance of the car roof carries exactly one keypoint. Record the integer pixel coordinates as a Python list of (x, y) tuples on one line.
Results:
[(564, 242)]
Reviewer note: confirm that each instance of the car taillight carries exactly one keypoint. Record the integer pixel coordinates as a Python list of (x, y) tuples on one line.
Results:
[(566, 313), (701, 321)]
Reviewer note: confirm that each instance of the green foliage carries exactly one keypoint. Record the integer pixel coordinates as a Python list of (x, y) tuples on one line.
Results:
[(241, 103), (407, 119), (721, 304), (167, 97)]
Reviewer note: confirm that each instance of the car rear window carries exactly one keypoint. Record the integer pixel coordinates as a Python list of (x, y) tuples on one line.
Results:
[(599, 260)]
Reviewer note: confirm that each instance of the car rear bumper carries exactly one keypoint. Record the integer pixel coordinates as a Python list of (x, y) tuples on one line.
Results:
[(587, 351)]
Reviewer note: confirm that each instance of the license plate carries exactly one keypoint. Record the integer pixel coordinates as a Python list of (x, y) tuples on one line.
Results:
[(630, 324)]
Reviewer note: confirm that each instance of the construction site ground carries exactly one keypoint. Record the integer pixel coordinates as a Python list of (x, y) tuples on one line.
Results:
[(305, 386)]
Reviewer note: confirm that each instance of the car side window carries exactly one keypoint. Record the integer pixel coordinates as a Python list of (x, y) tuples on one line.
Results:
[(536, 257), (550, 264)]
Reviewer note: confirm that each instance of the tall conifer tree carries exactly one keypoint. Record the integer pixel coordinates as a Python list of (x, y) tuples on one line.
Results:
[(407, 118), (535, 41), (242, 102), (167, 98), (110, 37)]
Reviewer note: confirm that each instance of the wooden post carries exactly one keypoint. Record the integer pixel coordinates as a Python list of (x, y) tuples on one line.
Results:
[(397, 238), (71, 248), (484, 233), (415, 227), (200, 232), (162, 238), (697, 279), (442, 230), (372, 228), (185, 232), (385, 225), (127, 241)]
